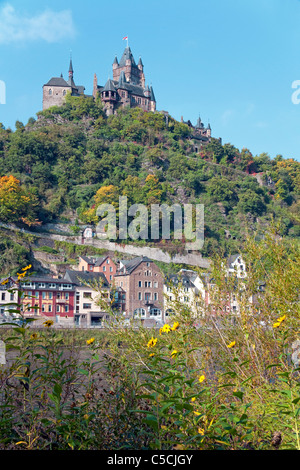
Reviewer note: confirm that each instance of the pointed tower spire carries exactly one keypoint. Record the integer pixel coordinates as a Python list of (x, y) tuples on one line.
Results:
[(71, 72)]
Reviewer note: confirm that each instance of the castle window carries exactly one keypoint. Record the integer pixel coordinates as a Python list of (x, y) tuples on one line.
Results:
[(50, 92), (64, 93)]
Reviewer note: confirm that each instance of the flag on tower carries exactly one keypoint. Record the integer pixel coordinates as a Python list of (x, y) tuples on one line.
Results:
[(125, 37)]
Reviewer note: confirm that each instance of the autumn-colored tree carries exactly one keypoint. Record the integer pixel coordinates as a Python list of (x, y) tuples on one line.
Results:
[(153, 190), (16, 203), (105, 195)]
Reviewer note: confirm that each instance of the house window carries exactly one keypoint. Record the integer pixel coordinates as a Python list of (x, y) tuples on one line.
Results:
[(87, 306), (49, 308), (50, 295), (43, 295), (3, 296), (155, 312), (140, 283), (64, 93), (57, 308), (155, 284), (104, 268), (66, 308), (140, 311), (50, 92), (155, 295), (43, 307), (140, 296)]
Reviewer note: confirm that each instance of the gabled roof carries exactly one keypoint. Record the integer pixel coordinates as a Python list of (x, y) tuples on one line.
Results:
[(97, 261), (232, 259), (80, 277), (57, 81), (182, 279), (131, 265)]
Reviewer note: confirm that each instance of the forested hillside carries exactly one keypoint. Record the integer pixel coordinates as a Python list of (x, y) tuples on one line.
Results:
[(72, 158)]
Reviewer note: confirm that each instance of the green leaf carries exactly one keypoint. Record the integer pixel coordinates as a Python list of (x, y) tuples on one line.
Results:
[(239, 395), (152, 422)]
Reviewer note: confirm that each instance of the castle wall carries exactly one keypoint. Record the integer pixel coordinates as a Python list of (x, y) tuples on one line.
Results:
[(57, 97)]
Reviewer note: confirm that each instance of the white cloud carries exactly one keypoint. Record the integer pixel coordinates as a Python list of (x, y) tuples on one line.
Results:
[(49, 26), (227, 116)]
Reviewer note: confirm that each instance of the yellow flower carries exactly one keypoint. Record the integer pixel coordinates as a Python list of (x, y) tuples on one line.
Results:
[(90, 341), (152, 342), (230, 345), (197, 413), (20, 275), (165, 329), (175, 326), (151, 355), (279, 321), (201, 431), (48, 323), (174, 353), (33, 336), (193, 399), (4, 282), (201, 378), (26, 268)]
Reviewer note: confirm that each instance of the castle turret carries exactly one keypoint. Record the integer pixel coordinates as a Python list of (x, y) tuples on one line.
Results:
[(152, 100), (71, 75), (208, 130), (109, 96), (95, 86)]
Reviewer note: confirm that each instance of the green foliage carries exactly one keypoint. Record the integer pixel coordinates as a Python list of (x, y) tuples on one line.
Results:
[(65, 157)]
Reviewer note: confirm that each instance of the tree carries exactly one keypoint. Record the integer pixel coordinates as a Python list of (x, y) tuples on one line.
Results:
[(249, 201), (16, 203), (221, 190)]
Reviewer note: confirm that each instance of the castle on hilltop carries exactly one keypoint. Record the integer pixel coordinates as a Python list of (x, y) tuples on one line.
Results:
[(127, 88)]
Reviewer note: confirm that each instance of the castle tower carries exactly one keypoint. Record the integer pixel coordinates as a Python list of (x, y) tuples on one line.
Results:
[(127, 88), (56, 89)]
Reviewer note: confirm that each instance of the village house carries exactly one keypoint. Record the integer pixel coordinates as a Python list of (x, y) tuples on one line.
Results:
[(185, 289), (8, 299), (104, 265), (89, 288), (48, 298), (142, 281)]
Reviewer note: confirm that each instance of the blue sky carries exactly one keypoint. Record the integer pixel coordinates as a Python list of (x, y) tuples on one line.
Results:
[(233, 62)]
